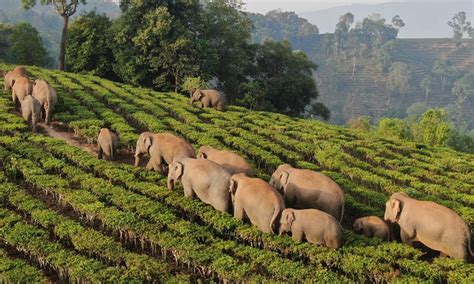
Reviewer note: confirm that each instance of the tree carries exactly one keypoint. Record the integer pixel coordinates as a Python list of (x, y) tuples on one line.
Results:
[(398, 79), (392, 128), (255, 97), (397, 22), (460, 27), (26, 46), (88, 48), (65, 8), (463, 89), (362, 123), (427, 85), (192, 83), (342, 31), (5, 32), (442, 70), (435, 127), (286, 76)]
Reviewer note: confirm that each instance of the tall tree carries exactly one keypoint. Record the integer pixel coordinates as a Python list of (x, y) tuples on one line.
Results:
[(397, 22), (342, 31), (26, 46), (88, 48), (398, 79), (427, 84), (460, 27), (442, 70), (463, 89), (65, 8)]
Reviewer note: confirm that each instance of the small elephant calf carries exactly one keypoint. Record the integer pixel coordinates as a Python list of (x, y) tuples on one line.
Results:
[(314, 225), (31, 111), (373, 227), (107, 143)]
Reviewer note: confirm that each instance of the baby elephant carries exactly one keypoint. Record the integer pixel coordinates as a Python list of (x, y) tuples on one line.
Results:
[(209, 98), (373, 227), (204, 178), (256, 199), (315, 226), (107, 143), (434, 225), (31, 111), (232, 162)]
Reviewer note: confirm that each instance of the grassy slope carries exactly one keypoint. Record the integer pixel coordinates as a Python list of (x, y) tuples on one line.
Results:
[(369, 169)]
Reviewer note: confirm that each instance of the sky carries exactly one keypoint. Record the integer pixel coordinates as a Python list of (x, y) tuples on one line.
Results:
[(263, 6)]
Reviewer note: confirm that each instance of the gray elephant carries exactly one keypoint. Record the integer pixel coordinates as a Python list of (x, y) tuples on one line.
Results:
[(204, 179), (31, 111), (46, 95), (434, 225), (315, 226), (209, 98), (373, 227), (107, 143), (163, 149), (305, 189), (21, 88), (256, 199), (232, 162), (11, 75)]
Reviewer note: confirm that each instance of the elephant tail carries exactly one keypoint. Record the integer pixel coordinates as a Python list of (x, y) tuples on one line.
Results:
[(276, 215), (342, 212), (112, 154)]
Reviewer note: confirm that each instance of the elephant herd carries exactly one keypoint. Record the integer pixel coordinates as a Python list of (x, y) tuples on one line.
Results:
[(305, 203), (36, 99)]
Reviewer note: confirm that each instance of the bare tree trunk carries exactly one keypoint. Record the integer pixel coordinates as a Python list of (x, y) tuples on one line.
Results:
[(62, 51), (353, 67), (426, 97)]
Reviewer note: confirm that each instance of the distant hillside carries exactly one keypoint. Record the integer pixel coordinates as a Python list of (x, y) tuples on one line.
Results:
[(47, 22), (424, 19), (367, 92)]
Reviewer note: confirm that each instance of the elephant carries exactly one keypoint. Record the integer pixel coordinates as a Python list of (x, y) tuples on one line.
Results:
[(373, 227), (46, 95), (305, 189), (209, 98), (204, 179), (107, 143), (11, 75), (232, 162), (434, 225), (31, 111), (163, 148), (313, 225), (21, 88), (256, 199)]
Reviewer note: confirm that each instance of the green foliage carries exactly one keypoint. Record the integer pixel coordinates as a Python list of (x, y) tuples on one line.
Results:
[(399, 78), (192, 83), (88, 48), (435, 128), (460, 26), (392, 128), (23, 45), (463, 89), (361, 123)]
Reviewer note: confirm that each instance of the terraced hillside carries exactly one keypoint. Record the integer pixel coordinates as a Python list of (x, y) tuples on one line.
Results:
[(67, 216), (366, 93)]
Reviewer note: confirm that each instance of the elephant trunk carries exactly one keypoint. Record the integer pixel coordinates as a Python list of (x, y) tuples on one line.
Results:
[(191, 101), (171, 184), (137, 157)]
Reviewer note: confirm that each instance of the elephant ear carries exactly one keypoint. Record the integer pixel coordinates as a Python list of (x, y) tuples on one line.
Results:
[(200, 94), (233, 186), (147, 142), (13, 83), (290, 217), (178, 169), (284, 179), (395, 209)]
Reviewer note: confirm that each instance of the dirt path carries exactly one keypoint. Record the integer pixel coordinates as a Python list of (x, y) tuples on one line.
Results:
[(60, 131)]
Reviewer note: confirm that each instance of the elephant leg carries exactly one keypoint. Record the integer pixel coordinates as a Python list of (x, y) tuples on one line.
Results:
[(188, 192), (239, 212), (99, 153), (205, 102), (297, 235), (406, 237), (47, 115)]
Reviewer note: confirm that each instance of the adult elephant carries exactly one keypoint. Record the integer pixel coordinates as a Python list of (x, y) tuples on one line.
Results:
[(209, 98), (305, 189), (256, 199), (163, 148), (21, 88), (434, 225), (19, 71), (107, 143), (47, 97), (204, 179), (230, 161)]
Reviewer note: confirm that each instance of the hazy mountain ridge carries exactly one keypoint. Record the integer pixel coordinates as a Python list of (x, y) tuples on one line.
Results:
[(419, 23)]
